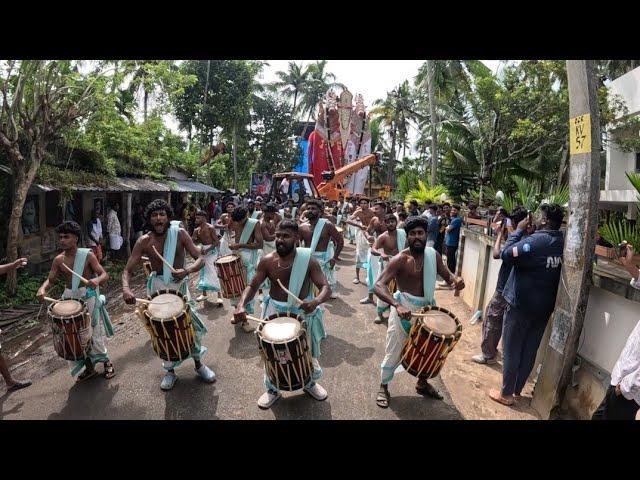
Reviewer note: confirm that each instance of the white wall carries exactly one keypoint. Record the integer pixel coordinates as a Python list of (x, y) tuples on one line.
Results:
[(492, 279), (618, 163), (608, 323), (628, 87), (470, 268)]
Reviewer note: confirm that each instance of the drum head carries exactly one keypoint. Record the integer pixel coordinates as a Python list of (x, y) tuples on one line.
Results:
[(281, 329), (66, 308), (339, 229), (227, 259), (166, 305), (440, 322)]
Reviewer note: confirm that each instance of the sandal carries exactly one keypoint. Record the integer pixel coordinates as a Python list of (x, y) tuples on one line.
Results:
[(86, 375), (109, 371), (383, 398)]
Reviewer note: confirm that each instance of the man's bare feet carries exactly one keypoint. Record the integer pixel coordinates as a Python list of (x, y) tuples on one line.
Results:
[(496, 396)]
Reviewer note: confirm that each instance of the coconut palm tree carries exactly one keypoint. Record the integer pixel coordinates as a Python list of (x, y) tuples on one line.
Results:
[(292, 82)]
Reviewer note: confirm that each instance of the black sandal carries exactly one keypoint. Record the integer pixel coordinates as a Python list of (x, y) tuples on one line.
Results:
[(383, 398), (109, 371)]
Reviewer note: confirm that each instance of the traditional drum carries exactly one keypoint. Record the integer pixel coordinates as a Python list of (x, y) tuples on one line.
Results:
[(286, 353), (71, 328), (232, 274), (168, 321), (430, 340)]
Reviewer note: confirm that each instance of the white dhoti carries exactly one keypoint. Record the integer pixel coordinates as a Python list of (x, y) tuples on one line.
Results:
[(381, 306), (224, 244), (373, 270), (209, 281), (362, 248), (397, 335), (323, 259)]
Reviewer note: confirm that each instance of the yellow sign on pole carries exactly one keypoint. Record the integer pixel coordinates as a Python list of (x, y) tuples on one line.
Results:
[(580, 134)]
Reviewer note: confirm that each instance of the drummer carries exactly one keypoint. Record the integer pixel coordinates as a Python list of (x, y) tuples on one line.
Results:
[(268, 224), (325, 241), (84, 263), (207, 236), (414, 270), (387, 245), (375, 228), (223, 225), (247, 240), (170, 241), (360, 220), (297, 269)]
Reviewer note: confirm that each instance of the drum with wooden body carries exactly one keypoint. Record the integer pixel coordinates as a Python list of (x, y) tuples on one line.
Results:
[(168, 320), (232, 275), (431, 339), (71, 328), (285, 350)]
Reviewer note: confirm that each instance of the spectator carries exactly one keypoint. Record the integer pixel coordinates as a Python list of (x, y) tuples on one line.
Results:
[(433, 230), (492, 322), (622, 400), (12, 383), (473, 212), (114, 230), (403, 217), (452, 239), (137, 222), (530, 292), (94, 235), (413, 208)]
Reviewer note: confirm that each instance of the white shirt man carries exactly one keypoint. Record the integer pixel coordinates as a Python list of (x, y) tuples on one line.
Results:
[(622, 400), (114, 230)]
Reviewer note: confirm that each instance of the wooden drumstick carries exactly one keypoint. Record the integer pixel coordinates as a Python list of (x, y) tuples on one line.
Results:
[(173, 270), (82, 279), (143, 300), (249, 317), (49, 299), (289, 292)]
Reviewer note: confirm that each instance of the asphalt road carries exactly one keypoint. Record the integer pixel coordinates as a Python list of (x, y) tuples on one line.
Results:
[(351, 356)]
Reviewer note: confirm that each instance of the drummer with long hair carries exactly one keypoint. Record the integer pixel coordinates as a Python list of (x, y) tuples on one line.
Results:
[(414, 269), (296, 269), (84, 263), (169, 240)]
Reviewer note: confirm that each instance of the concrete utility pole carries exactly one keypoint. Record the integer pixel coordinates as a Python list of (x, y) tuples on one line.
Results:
[(584, 193)]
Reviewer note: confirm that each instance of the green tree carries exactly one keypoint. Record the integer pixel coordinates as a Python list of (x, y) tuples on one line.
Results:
[(292, 83), (40, 100)]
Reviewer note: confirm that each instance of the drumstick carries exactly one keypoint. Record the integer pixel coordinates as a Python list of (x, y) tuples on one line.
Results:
[(249, 317), (288, 292), (49, 299), (82, 279), (163, 260), (143, 300)]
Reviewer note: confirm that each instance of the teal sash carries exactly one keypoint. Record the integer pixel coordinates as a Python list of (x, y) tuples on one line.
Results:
[(401, 238), (248, 230), (317, 232), (255, 214), (429, 272), (169, 252)]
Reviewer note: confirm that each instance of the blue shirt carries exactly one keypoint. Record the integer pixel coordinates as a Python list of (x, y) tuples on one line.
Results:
[(452, 237), (536, 262)]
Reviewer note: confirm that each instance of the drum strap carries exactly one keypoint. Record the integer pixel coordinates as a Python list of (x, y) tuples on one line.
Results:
[(317, 232), (299, 272), (78, 267), (401, 238), (248, 230), (429, 272), (294, 210), (169, 252)]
